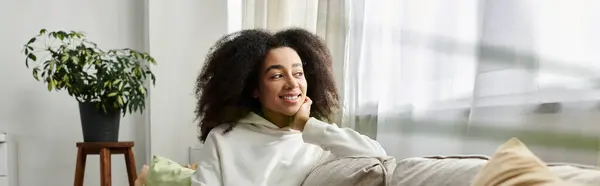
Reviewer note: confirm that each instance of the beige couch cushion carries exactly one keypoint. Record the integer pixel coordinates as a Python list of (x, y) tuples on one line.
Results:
[(514, 164), (437, 171), (352, 171), (587, 175)]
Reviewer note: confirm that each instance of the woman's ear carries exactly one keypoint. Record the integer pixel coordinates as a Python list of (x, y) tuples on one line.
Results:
[(255, 93)]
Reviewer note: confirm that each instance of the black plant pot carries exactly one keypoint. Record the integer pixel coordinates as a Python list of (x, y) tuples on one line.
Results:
[(99, 126)]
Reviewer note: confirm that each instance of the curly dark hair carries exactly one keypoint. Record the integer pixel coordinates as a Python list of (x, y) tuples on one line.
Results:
[(230, 75)]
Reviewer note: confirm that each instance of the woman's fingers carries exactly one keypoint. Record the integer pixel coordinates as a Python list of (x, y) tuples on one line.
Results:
[(308, 100)]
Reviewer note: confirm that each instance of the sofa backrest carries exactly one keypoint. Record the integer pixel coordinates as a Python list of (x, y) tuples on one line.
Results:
[(423, 171), (353, 171), (461, 171)]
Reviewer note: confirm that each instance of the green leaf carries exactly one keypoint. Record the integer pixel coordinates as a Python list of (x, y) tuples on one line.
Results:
[(51, 65), (79, 35), (32, 56), (50, 85), (75, 59), (121, 86), (31, 41), (35, 73), (47, 64), (130, 107), (112, 94), (64, 58), (142, 90), (72, 34), (137, 73), (120, 100), (43, 31), (151, 60)]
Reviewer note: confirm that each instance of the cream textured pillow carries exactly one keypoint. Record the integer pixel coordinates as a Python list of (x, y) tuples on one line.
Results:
[(513, 164)]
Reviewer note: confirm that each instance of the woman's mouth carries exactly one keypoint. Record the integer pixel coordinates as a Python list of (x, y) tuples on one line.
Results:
[(290, 98)]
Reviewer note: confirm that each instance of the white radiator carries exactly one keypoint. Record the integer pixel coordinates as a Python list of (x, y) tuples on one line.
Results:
[(8, 161)]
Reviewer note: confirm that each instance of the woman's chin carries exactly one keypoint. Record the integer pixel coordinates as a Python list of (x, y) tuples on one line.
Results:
[(286, 111), (289, 112)]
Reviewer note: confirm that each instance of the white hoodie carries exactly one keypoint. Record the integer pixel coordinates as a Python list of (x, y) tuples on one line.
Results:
[(258, 153)]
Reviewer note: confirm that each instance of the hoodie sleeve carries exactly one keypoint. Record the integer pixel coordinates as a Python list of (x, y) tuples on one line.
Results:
[(208, 172), (341, 142)]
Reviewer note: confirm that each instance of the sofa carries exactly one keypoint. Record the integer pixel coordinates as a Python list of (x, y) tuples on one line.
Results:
[(425, 171), (512, 164)]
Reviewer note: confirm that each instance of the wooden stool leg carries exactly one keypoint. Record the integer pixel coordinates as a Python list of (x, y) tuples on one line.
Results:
[(105, 169), (131, 169), (80, 167)]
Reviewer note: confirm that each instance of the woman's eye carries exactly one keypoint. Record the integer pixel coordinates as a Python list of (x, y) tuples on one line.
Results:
[(299, 74), (277, 76)]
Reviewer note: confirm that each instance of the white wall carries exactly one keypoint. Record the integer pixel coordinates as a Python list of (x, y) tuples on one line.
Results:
[(181, 33), (46, 125)]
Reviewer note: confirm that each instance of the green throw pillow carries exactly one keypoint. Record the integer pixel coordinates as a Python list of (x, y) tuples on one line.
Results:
[(163, 172)]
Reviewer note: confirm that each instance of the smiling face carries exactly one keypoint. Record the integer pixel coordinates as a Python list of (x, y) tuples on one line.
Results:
[(282, 86)]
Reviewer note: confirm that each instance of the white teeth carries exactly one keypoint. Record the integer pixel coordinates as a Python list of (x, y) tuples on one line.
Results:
[(290, 97)]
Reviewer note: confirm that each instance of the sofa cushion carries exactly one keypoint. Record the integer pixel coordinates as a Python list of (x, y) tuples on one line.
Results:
[(587, 175), (367, 171), (514, 164), (438, 170)]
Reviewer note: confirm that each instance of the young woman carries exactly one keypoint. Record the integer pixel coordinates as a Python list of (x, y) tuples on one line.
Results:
[(262, 102)]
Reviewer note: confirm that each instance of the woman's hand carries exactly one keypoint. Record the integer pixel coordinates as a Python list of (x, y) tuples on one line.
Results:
[(141, 179), (302, 115)]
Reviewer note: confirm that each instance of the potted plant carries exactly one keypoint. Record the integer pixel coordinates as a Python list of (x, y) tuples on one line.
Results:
[(106, 83)]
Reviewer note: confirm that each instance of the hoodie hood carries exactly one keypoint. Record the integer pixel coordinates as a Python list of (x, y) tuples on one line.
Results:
[(256, 120)]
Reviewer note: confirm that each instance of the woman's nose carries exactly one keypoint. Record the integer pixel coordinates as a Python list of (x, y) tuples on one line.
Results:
[(291, 83)]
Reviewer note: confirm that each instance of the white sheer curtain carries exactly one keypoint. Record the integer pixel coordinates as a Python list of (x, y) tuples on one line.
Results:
[(436, 77), (280, 14)]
